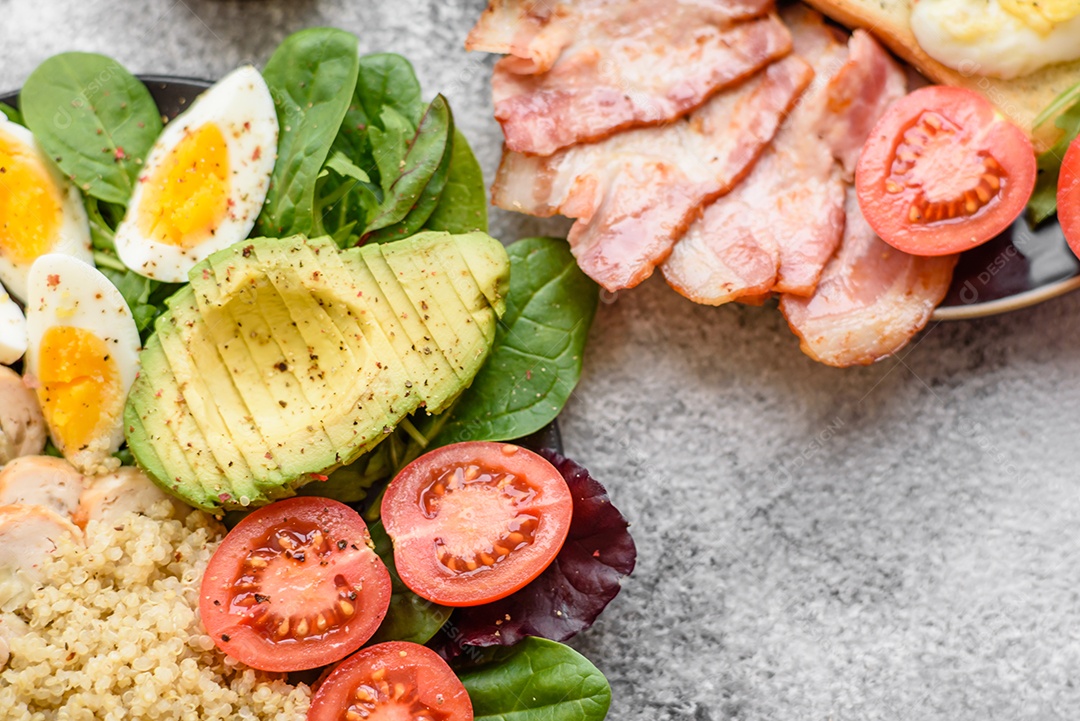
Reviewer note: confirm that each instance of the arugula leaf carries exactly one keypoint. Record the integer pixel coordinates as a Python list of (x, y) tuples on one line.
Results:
[(310, 77), (410, 618), (1043, 202), (538, 680), (463, 205), (95, 119), (11, 113), (571, 593), (428, 152), (535, 362)]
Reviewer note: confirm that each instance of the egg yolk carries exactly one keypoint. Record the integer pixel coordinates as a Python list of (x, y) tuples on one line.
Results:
[(80, 389), (1042, 15), (187, 195), (30, 203)]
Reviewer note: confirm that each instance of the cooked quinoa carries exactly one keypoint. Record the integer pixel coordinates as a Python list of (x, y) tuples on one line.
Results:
[(115, 634)]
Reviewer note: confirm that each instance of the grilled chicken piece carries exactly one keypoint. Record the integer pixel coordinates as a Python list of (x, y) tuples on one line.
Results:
[(22, 427), (128, 490), (594, 68), (776, 231), (872, 298), (635, 193), (29, 535), (41, 481)]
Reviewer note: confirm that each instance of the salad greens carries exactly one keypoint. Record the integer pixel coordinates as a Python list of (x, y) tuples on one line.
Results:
[(11, 113), (536, 360), (95, 119), (538, 680), (305, 75), (363, 159), (463, 205), (1066, 113)]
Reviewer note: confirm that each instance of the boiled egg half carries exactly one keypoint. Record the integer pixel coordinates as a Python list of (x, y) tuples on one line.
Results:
[(40, 212), (205, 180), (81, 358), (12, 329), (999, 38)]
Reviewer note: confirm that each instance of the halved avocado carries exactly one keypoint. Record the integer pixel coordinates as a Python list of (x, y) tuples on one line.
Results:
[(285, 358)]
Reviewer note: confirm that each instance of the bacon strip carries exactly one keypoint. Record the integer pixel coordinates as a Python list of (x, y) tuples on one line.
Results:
[(776, 231), (635, 193), (578, 72), (871, 300), (537, 31)]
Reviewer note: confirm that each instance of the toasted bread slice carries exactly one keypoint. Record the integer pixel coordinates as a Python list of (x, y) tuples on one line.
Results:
[(1020, 99)]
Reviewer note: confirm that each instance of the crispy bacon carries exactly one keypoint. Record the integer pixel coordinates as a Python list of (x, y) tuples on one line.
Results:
[(580, 71), (776, 231), (634, 193), (871, 300)]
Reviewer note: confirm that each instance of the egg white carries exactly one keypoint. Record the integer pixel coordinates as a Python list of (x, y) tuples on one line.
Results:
[(12, 329), (73, 235), (64, 291), (242, 107), (979, 37)]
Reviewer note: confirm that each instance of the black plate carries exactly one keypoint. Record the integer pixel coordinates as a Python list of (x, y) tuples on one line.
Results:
[(173, 95)]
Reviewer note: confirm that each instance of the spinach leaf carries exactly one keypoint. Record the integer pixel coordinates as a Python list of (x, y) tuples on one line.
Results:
[(311, 76), (387, 80), (535, 362), (463, 204), (538, 680), (11, 113), (384, 80), (1043, 202), (429, 199), (571, 593), (389, 145), (428, 153), (344, 196), (352, 483), (410, 618), (95, 119)]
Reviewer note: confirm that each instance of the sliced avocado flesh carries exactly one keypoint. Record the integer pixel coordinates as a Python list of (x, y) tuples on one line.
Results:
[(441, 384), (259, 364), (425, 277), (484, 314), (330, 374), (382, 374), (407, 315), (218, 431), (233, 345), (201, 353), (148, 410), (376, 317)]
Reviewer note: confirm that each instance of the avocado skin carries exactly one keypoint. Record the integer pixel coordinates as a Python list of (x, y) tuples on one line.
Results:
[(286, 357)]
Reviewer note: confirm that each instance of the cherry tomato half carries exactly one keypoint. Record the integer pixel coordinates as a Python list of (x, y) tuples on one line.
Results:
[(943, 172), (395, 680), (1068, 196), (295, 586), (474, 522)]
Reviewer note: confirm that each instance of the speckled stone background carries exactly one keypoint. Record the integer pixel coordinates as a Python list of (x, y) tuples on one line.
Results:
[(896, 542)]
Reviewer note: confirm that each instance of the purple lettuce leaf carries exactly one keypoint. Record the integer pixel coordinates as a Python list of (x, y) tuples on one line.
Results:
[(569, 595)]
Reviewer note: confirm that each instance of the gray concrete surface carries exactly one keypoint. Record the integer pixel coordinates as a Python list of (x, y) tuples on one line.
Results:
[(895, 542)]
